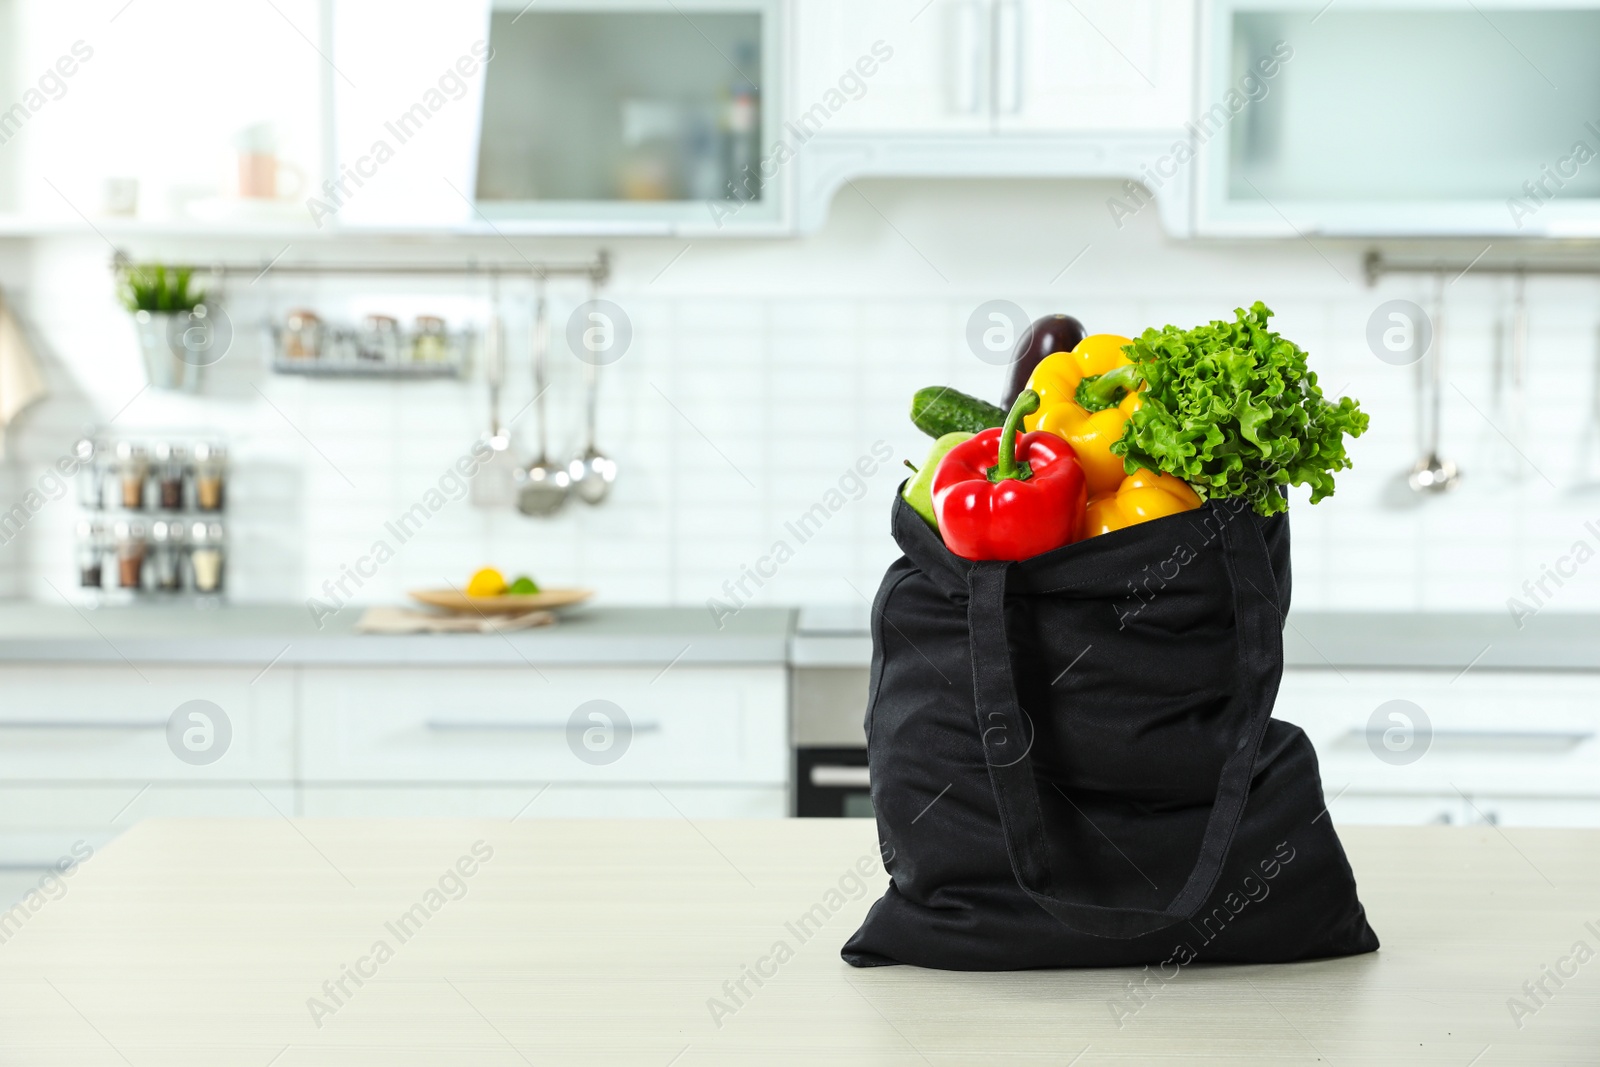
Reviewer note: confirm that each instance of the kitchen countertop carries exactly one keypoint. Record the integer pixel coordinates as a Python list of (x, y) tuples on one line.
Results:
[(250, 634), (1325, 639), (1486, 641), (809, 637), (599, 942)]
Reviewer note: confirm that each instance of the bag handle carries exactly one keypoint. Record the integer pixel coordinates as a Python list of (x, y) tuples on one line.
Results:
[(1016, 793)]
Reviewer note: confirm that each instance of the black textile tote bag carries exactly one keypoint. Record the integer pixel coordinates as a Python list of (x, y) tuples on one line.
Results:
[(1074, 763)]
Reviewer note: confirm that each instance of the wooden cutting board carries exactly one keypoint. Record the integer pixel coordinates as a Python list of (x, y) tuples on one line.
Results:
[(507, 604)]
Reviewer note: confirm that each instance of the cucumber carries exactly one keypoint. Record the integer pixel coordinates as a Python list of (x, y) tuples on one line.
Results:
[(938, 410)]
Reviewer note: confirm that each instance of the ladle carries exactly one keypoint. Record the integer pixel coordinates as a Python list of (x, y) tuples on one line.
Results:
[(592, 471), (543, 485), (1432, 473)]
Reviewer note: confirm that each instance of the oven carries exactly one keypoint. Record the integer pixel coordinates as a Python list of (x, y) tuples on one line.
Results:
[(832, 783), (830, 655)]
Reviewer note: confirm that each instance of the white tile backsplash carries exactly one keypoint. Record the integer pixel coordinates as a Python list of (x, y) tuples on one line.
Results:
[(761, 371)]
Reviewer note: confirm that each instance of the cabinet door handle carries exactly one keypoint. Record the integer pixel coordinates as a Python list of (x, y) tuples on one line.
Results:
[(490, 725), (1008, 52), (832, 776), (82, 724), (967, 37), (1499, 739)]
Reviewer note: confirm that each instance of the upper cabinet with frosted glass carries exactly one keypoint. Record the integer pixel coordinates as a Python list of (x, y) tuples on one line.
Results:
[(1416, 117), (639, 117)]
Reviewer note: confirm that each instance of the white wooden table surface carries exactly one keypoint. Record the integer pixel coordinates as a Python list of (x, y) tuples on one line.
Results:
[(205, 942)]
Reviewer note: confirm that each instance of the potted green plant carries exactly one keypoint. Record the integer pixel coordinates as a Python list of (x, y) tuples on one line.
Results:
[(164, 304)]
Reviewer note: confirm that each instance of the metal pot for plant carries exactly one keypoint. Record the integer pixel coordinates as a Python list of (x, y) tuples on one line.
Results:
[(176, 345)]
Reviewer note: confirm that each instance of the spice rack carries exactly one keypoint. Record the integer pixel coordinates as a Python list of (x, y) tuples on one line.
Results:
[(153, 519), (302, 344)]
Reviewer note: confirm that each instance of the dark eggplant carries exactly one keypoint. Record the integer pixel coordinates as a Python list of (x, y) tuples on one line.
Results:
[(1051, 334)]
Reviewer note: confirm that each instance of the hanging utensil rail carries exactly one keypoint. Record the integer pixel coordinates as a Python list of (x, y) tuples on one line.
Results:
[(1377, 265), (598, 269)]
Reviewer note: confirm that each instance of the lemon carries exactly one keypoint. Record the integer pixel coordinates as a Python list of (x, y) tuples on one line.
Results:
[(487, 582)]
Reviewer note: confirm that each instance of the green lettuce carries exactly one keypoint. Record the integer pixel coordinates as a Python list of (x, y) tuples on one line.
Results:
[(1232, 409)]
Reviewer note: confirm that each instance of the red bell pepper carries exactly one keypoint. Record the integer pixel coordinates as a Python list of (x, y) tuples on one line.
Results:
[(1004, 495)]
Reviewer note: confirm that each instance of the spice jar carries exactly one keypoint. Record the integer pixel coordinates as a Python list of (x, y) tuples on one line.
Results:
[(91, 553), (87, 453), (302, 335), (380, 339), (205, 556), (128, 537), (430, 344), (210, 473), (340, 345), (132, 469), (169, 465), (165, 555)]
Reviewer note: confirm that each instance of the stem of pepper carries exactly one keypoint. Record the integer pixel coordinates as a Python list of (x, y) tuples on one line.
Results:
[(1026, 404), (1100, 391)]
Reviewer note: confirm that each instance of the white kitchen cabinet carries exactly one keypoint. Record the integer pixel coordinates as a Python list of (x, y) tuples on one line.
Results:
[(109, 724), (997, 89), (68, 76), (596, 116), (405, 115), (1006, 66), (682, 725), (645, 116), (901, 65), (1463, 746), (1093, 64), (84, 752), (1368, 133)]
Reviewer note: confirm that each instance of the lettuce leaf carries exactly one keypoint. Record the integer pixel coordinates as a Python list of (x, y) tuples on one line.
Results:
[(1232, 409)]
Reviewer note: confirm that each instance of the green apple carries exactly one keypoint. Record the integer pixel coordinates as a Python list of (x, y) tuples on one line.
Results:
[(919, 490)]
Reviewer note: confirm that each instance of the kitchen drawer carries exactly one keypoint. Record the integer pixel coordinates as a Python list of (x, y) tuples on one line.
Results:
[(96, 723), (557, 801), (1517, 733), (1356, 809), (40, 823), (701, 725), (1353, 809), (1534, 811)]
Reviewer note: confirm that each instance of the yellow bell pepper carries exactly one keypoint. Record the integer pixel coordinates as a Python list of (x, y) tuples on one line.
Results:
[(1142, 496), (1091, 422)]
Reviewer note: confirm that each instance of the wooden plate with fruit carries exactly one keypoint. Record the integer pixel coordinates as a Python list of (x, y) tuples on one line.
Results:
[(488, 593)]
